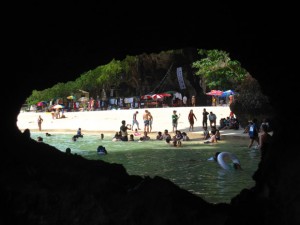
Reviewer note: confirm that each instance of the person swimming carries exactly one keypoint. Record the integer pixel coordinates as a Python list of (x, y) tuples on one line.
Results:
[(39, 139), (101, 150), (68, 151)]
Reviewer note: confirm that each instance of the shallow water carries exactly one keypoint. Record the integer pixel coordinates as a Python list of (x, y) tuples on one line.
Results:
[(186, 166)]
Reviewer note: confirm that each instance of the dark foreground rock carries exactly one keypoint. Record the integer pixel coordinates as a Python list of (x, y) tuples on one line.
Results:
[(41, 185)]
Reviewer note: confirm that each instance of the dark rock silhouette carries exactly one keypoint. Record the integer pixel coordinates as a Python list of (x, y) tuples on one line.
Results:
[(42, 185)]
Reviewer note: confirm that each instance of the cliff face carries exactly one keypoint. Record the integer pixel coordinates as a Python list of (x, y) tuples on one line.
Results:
[(157, 72)]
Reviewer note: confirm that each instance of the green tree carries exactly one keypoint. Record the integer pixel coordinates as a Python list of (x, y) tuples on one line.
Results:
[(34, 98), (128, 63), (217, 70), (109, 74)]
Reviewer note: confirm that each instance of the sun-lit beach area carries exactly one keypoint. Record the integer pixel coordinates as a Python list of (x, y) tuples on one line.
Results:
[(94, 122)]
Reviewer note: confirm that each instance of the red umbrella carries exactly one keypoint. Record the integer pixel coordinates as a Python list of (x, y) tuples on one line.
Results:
[(157, 96), (165, 94), (146, 97), (41, 103), (215, 93)]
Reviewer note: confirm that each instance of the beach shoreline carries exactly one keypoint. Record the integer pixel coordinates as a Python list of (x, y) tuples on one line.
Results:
[(109, 121)]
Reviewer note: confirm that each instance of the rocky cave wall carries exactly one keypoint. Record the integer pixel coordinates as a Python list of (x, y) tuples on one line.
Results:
[(41, 185)]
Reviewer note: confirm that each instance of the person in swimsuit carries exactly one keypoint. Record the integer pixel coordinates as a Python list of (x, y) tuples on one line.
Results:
[(40, 120), (146, 121), (134, 120)]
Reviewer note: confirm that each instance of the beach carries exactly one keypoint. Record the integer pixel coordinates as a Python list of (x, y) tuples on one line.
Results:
[(109, 121)]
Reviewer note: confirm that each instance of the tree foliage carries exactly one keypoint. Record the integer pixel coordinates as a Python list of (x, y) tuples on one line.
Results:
[(109, 74), (217, 69), (93, 81)]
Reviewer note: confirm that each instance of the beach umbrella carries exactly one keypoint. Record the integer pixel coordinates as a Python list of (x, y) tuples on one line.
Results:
[(215, 93), (157, 96), (146, 97), (71, 97), (41, 103), (227, 93), (165, 94), (58, 107)]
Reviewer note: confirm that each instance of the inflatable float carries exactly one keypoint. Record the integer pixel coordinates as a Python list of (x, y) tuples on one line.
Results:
[(227, 160)]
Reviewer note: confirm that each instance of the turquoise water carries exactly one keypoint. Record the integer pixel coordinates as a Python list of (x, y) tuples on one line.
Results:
[(186, 166)]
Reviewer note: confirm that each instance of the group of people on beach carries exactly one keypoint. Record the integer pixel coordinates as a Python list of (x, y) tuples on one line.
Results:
[(256, 134), (176, 139)]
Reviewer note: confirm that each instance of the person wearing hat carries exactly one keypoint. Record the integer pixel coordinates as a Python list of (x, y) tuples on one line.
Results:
[(175, 118), (134, 121)]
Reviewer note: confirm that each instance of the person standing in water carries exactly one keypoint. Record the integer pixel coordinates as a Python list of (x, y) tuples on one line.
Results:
[(253, 133)]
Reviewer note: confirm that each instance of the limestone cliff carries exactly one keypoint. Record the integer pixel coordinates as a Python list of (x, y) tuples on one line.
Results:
[(157, 72)]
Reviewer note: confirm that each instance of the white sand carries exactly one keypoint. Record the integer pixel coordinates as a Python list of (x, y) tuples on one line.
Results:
[(110, 120)]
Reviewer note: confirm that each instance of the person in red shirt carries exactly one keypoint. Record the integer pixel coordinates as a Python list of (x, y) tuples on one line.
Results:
[(191, 118)]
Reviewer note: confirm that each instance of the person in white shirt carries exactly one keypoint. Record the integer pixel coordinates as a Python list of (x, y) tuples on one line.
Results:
[(184, 101)]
